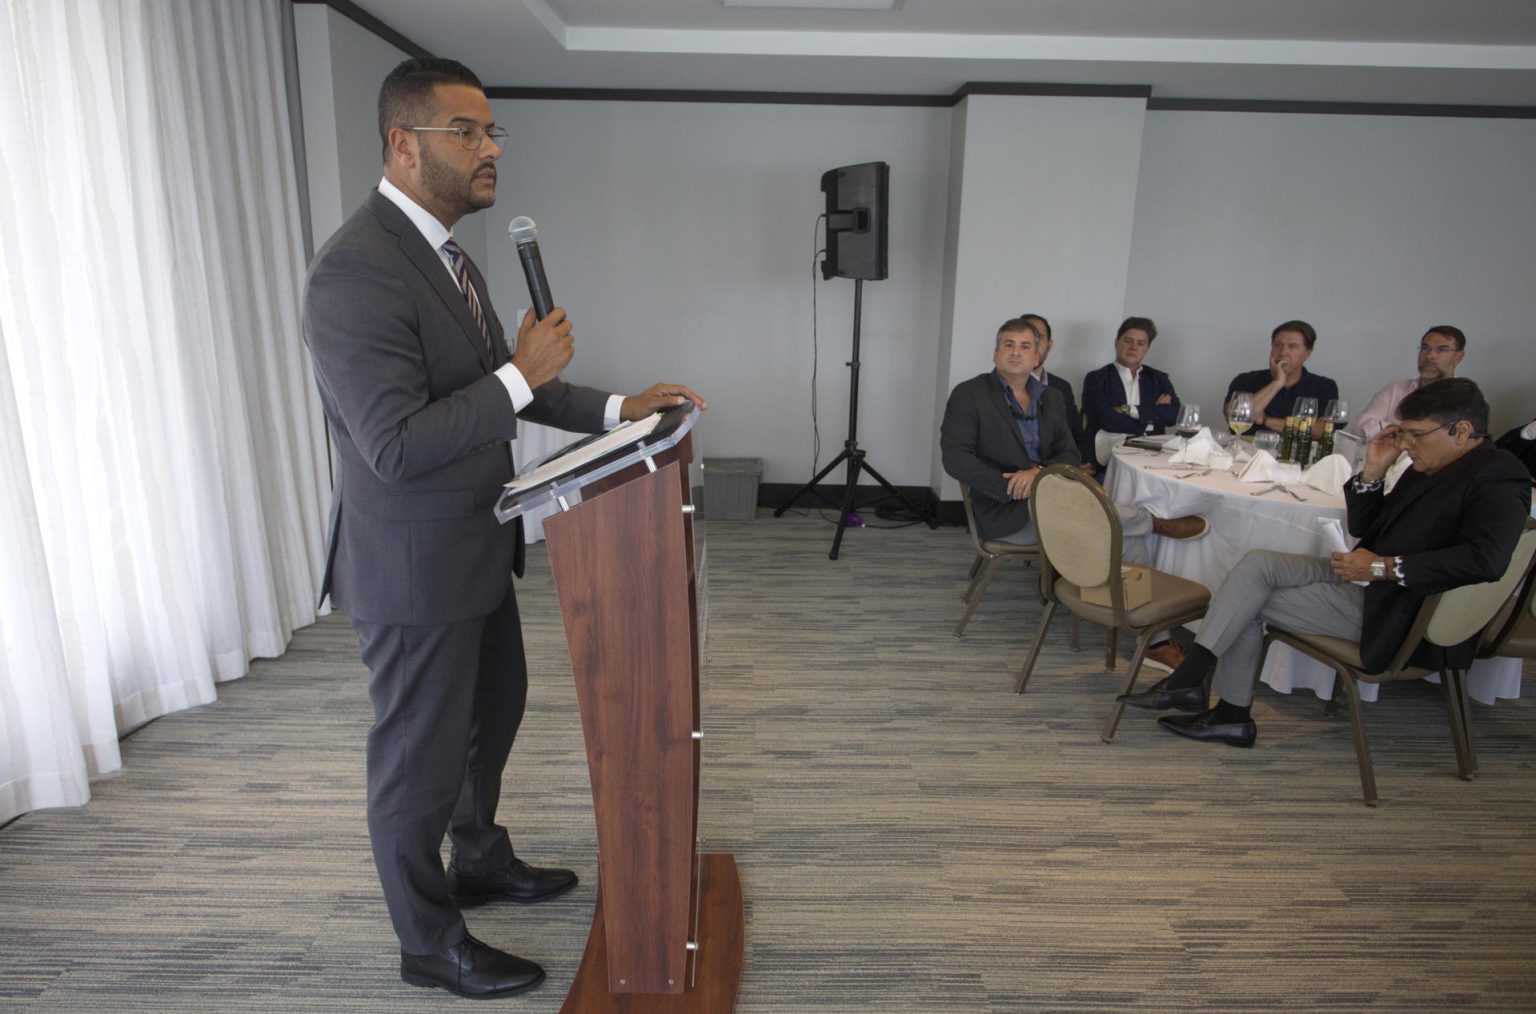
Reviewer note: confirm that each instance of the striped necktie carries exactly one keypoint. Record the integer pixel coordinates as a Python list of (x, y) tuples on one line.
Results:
[(460, 265)]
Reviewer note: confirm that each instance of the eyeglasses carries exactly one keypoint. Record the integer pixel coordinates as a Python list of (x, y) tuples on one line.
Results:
[(1439, 350), (471, 137), (1411, 439)]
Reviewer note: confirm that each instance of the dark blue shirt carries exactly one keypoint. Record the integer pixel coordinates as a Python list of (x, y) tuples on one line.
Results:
[(1029, 422), (1311, 385)]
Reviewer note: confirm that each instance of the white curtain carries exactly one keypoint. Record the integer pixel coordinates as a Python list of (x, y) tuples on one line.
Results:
[(163, 476)]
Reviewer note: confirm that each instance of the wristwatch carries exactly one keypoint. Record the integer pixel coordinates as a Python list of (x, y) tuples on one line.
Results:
[(1379, 569)]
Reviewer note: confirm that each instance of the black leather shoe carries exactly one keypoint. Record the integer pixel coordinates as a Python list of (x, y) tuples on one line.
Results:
[(473, 969), (517, 881), (1159, 697), (1205, 728)]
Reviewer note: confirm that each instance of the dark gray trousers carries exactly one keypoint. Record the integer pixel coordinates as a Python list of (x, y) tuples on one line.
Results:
[(447, 702)]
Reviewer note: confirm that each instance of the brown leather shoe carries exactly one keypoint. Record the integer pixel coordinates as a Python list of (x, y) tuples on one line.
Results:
[(1191, 527), (1164, 657)]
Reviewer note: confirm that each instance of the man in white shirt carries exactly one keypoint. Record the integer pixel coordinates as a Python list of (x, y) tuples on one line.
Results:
[(1440, 352)]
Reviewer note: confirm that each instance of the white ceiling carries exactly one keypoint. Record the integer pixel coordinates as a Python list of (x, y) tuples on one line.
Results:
[(1418, 51)]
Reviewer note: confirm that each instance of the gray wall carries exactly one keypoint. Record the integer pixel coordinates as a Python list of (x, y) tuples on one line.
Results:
[(1046, 195), (680, 237), (1372, 228)]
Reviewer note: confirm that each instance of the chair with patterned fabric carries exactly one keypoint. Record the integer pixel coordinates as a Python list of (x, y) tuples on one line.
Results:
[(1080, 535), (1446, 619)]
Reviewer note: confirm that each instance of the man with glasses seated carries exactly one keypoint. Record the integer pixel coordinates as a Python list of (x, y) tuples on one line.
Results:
[(1002, 427), (1440, 352), (1453, 519), (1276, 390)]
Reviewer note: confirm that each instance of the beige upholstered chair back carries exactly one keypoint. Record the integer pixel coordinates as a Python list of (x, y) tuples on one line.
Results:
[(1465, 611), (1079, 529)]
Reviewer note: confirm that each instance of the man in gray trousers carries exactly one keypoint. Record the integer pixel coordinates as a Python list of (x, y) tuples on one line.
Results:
[(423, 397), (1452, 519)]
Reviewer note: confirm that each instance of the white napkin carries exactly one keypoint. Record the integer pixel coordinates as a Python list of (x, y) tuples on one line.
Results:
[(1260, 468), (1334, 538), (1328, 474), (1197, 450)]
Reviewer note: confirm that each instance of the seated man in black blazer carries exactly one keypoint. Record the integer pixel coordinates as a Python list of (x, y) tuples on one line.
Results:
[(1127, 396), (1062, 384), (1452, 519), (1276, 389), (1521, 442), (1001, 427)]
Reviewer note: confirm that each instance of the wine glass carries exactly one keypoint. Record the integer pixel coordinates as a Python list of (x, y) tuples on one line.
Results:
[(1188, 423), (1337, 412), (1240, 413)]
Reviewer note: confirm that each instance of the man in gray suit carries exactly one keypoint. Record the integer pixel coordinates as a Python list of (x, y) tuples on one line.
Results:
[(423, 397)]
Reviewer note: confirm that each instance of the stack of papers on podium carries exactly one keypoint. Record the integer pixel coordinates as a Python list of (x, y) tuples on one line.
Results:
[(621, 435)]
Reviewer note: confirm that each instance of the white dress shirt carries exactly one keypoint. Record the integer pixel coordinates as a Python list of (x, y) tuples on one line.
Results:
[(1382, 411), (1132, 390)]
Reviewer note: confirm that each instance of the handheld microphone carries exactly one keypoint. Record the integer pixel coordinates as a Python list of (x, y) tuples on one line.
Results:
[(526, 235)]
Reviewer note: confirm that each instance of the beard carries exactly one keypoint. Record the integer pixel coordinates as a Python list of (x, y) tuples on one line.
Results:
[(451, 187), (1431, 373)]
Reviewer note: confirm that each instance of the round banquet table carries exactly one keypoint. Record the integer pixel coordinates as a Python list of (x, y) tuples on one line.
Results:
[(1241, 521)]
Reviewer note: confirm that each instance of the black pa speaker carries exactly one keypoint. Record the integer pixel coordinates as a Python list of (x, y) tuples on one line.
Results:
[(857, 198)]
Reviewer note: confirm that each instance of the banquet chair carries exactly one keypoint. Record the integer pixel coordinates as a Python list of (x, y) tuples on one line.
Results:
[(1512, 634), (1446, 619), (1080, 539), (989, 554)]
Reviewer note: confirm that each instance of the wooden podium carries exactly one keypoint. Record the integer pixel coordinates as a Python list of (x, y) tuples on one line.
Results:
[(668, 932)]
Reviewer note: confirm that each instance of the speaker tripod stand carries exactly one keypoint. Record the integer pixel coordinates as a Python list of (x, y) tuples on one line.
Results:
[(852, 453)]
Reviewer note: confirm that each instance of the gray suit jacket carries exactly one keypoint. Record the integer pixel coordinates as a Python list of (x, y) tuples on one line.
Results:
[(980, 440), (419, 425)]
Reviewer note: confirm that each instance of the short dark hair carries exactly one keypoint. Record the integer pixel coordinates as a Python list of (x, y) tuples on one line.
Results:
[(405, 99), (1041, 321), (1013, 325), (1451, 332), (1138, 324), (1307, 331), (1447, 402)]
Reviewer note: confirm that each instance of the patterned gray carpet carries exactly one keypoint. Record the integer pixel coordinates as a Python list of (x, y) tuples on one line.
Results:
[(912, 836)]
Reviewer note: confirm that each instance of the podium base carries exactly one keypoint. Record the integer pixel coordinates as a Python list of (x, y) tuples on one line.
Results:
[(722, 943)]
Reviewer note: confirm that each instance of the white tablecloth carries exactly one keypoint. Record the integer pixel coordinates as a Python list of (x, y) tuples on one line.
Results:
[(1240, 522)]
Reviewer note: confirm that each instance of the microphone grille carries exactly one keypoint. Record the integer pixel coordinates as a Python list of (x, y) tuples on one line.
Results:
[(522, 230)]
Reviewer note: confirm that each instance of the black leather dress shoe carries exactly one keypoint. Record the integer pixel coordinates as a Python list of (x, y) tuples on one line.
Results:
[(516, 881), (1204, 727), (1159, 697), (473, 969)]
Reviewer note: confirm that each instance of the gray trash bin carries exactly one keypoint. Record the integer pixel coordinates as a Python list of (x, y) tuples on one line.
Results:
[(730, 488)]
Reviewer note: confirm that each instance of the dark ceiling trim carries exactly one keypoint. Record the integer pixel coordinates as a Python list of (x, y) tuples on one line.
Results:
[(1074, 91), (1345, 108), (755, 98), (348, 9)]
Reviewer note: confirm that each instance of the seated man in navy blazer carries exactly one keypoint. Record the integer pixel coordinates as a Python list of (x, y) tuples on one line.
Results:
[(1127, 396), (1001, 427), (1276, 389), (1452, 519)]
